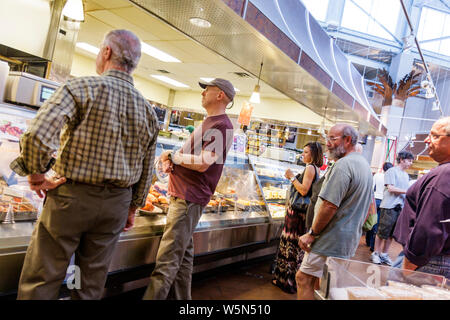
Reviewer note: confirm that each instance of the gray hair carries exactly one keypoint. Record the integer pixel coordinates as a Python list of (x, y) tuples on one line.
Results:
[(349, 131), (125, 47)]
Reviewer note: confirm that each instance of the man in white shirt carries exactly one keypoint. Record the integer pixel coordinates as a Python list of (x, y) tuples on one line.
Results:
[(378, 187), (396, 181)]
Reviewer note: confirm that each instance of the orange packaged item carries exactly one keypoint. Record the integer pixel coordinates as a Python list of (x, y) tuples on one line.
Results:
[(148, 206), (163, 200), (152, 198)]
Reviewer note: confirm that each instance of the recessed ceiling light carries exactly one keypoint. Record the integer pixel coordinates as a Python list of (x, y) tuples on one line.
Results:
[(207, 79), (199, 22), (156, 53), (170, 81), (299, 90), (88, 47)]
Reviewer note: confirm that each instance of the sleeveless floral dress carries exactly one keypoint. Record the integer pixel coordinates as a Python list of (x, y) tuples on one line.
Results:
[(289, 255)]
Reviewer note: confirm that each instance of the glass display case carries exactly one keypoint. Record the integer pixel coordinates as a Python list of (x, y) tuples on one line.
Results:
[(17, 201), (274, 184), (238, 199), (355, 280)]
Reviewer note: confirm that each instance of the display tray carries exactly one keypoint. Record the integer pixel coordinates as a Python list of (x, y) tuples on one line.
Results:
[(155, 211), (20, 216), (246, 205), (163, 207), (355, 280), (216, 209)]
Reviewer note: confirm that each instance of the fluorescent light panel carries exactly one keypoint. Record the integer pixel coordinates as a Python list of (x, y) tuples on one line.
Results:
[(88, 47), (169, 81), (156, 53)]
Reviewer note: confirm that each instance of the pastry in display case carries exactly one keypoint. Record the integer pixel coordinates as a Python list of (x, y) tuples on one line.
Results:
[(237, 200), (274, 184), (17, 201), (355, 280)]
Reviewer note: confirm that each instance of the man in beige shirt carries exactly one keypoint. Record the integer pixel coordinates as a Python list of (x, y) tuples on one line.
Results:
[(104, 132)]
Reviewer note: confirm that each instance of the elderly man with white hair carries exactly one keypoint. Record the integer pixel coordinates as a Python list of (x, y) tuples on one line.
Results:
[(423, 227), (107, 135), (340, 209)]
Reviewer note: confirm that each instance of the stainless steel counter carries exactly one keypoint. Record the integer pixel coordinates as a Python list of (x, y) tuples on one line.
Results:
[(214, 233)]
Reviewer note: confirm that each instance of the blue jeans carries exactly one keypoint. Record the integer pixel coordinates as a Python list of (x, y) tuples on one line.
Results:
[(439, 265), (370, 235)]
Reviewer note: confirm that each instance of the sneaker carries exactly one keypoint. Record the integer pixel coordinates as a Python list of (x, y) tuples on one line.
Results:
[(385, 259), (376, 258)]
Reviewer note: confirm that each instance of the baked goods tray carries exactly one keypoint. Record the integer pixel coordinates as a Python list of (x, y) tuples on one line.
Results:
[(215, 209), (245, 207)]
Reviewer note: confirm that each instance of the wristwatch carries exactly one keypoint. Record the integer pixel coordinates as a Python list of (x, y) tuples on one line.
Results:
[(292, 179), (311, 232)]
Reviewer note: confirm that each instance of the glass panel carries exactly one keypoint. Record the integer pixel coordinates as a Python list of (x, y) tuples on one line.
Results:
[(356, 19), (318, 8)]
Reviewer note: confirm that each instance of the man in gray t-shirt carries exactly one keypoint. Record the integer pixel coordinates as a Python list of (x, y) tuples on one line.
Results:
[(396, 182), (340, 210)]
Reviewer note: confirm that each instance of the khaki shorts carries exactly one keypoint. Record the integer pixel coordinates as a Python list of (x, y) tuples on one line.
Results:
[(313, 264)]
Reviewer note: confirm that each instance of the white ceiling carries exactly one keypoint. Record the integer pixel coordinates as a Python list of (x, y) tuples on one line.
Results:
[(102, 16)]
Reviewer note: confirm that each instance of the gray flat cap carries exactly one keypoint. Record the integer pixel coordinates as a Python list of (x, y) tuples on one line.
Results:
[(222, 84)]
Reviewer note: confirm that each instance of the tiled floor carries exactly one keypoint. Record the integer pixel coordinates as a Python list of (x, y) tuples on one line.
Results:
[(253, 281)]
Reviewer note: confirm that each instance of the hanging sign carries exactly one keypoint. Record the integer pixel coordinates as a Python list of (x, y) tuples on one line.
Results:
[(246, 114)]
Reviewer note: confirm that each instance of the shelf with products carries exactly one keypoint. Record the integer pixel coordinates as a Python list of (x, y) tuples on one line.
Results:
[(274, 184)]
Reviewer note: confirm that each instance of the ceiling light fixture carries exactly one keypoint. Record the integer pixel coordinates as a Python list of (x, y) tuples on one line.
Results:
[(156, 53), (299, 90), (255, 97), (170, 81), (73, 9), (88, 47), (207, 79), (199, 22)]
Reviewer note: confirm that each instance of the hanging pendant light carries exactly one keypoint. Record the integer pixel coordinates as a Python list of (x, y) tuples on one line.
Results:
[(73, 9), (255, 97)]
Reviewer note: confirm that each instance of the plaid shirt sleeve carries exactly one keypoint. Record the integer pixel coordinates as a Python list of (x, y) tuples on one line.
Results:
[(141, 188), (41, 140)]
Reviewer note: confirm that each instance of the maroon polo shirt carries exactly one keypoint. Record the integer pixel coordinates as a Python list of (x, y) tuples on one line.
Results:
[(214, 134)]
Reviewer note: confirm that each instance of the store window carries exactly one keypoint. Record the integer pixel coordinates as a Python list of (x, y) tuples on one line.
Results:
[(366, 16), (318, 8), (434, 31)]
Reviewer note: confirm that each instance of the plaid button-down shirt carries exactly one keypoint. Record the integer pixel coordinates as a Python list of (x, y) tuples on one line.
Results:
[(104, 132)]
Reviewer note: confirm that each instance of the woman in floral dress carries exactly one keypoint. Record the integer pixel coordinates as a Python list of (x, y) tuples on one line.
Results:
[(289, 255)]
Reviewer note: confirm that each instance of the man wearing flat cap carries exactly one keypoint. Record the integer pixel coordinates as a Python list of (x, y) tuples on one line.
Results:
[(194, 171)]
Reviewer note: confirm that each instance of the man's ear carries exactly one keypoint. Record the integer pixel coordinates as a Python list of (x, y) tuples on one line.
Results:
[(107, 53)]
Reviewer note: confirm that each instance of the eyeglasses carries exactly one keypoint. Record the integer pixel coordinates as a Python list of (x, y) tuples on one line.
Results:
[(433, 136), (333, 138)]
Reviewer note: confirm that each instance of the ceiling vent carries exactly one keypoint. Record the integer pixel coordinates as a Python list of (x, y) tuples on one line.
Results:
[(163, 71), (242, 75)]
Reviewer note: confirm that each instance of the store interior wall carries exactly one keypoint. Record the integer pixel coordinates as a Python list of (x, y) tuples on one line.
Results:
[(269, 108)]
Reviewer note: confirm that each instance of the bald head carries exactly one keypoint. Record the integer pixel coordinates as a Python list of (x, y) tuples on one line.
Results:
[(443, 124), (342, 139), (439, 141)]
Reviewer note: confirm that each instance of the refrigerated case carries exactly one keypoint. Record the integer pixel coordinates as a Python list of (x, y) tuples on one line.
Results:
[(274, 184), (237, 218), (355, 280)]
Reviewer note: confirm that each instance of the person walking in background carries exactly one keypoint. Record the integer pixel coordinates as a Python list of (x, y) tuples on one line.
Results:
[(396, 182), (105, 162), (289, 255), (378, 187), (194, 172), (423, 227), (340, 210)]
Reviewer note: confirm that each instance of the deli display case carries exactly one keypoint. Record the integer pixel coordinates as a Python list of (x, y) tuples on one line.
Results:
[(355, 280), (236, 224), (274, 184)]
